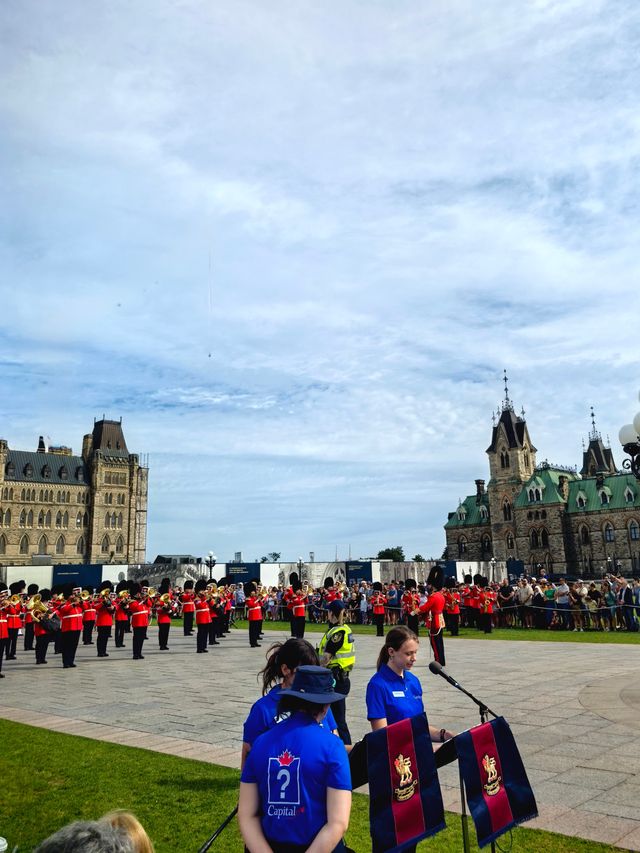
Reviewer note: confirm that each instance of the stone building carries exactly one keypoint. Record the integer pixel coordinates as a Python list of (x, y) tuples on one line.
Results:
[(550, 516), (59, 508)]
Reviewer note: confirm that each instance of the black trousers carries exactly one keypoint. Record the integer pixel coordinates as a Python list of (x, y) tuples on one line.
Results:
[(378, 621), (13, 642), (42, 644), (213, 631), (28, 637), (413, 624), (163, 635), (437, 644), (139, 636), (3, 650), (298, 626), (255, 628), (120, 629), (87, 631), (69, 641), (202, 637), (453, 620), (187, 623), (484, 622), (104, 632), (57, 642), (339, 709)]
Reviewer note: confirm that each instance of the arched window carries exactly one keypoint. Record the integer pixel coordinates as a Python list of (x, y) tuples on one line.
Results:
[(105, 545), (60, 545), (47, 520), (506, 510), (538, 495), (504, 458), (80, 545), (531, 495), (23, 518), (30, 518), (7, 518), (10, 469), (79, 520), (462, 513), (634, 530), (43, 544), (544, 538), (462, 546), (3, 544), (107, 520), (510, 542), (23, 495), (41, 496), (65, 520), (79, 474), (120, 520), (63, 474), (629, 496), (119, 545), (1, 516), (484, 515), (114, 520), (58, 497), (28, 470), (24, 545), (486, 544), (46, 472), (604, 498), (533, 539), (59, 519), (526, 457), (609, 533), (85, 520), (584, 535)]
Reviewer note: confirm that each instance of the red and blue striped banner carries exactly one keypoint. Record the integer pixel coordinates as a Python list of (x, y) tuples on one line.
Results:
[(405, 802), (498, 790)]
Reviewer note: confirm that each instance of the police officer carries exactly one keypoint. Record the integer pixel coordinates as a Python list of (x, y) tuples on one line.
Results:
[(337, 651)]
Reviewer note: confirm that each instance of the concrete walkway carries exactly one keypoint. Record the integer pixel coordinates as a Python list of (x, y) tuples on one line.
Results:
[(574, 709)]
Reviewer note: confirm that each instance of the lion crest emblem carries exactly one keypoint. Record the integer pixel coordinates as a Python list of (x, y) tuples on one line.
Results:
[(492, 785), (407, 784)]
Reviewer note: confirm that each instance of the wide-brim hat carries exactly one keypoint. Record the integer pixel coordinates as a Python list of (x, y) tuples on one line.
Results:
[(313, 684), (336, 607)]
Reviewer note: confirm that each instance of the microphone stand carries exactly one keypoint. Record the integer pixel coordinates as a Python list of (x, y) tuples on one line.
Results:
[(222, 826)]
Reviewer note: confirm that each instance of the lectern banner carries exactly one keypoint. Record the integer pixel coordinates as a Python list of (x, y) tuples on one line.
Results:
[(498, 791), (405, 802)]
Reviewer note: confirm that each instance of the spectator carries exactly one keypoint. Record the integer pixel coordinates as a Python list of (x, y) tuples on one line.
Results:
[(562, 603), (575, 601), (524, 597), (131, 827)]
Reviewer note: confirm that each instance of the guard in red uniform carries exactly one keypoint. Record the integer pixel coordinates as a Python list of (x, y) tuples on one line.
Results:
[(452, 606), (41, 630), (88, 616), (164, 608), (434, 609), (32, 590), (121, 614), (214, 612), (410, 602), (4, 623), (187, 600), (473, 602), (203, 616), (14, 619), (254, 613), (486, 600), (298, 612), (139, 608), (70, 613), (378, 602), (105, 609)]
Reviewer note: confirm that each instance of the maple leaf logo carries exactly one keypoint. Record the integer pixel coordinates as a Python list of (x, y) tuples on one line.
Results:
[(285, 759)]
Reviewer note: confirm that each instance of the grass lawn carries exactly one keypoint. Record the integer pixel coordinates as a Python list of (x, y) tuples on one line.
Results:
[(50, 779), (624, 637)]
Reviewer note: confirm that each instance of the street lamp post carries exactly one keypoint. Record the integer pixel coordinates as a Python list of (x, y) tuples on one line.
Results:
[(492, 563), (300, 566), (210, 563), (629, 437)]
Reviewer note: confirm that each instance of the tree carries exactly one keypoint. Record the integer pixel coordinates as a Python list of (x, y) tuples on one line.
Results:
[(396, 554), (274, 556), (418, 558)]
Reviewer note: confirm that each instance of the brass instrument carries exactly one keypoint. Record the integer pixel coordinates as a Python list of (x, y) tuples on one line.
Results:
[(15, 600), (85, 596), (123, 595), (165, 598), (151, 592), (34, 601), (38, 610)]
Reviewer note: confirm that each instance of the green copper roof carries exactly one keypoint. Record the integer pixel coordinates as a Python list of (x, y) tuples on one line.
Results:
[(547, 481), (469, 513), (615, 487)]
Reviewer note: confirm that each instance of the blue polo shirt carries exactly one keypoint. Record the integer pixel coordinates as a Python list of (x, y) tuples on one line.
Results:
[(392, 696), (264, 714), (293, 764)]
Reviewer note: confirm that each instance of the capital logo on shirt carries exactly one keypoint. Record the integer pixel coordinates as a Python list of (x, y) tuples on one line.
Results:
[(284, 779)]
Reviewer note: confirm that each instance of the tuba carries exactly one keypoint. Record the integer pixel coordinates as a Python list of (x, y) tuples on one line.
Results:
[(34, 601)]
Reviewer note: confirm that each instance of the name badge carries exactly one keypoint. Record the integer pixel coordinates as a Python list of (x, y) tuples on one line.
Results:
[(398, 693)]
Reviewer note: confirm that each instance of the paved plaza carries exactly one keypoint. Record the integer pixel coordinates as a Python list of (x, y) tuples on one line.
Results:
[(574, 709)]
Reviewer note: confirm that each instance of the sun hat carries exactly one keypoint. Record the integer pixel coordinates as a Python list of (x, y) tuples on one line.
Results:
[(314, 684), (336, 607)]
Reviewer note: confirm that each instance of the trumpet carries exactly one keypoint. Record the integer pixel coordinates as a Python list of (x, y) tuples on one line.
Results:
[(84, 595)]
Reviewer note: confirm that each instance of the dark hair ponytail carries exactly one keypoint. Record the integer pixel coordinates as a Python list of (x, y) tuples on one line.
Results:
[(395, 639), (292, 653)]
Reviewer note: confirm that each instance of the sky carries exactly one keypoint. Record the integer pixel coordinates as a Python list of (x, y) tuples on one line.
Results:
[(295, 244)]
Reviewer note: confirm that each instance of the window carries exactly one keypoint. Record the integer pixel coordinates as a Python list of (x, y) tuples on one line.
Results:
[(24, 545), (510, 542), (60, 545), (3, 545), (584, 535), (65, 520), (120, 520), (107, 520), (462, 546), (41, 496), (462, 513), (59, 519), (105, 545), (543, 513), (634, 530), (10, 469), (46, 472), (85, 520), (63, 473), (80, 545), (79, 474), (23, 518), (47, 521), (1, 516), (107, 477), (114, 520), (533, 539), (486, 544), (604, 498), (7, 518), (30, 518), (531, 495), (544, 538), (506, 510), (629, 496), (23, 495), (79, 520), (119, 545), (484, 515), (609, 534), (28, 470), (43, 544)]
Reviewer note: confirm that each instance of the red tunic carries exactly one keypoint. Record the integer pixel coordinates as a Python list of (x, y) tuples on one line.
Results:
[(163, 614), (88, 611), (410, 601), (434, 606), (139, 611), (486, 600), (4, 625), (121, 611), (13, 612), (203, 614), (188, 604), (254, 608), (104, 614), (378, 602), (452, 599), (71, 617), (298, 602)]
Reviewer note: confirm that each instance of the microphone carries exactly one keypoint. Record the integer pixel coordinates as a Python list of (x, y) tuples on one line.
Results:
[(437, 669)]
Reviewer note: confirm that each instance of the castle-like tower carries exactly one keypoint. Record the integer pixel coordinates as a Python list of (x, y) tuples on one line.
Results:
[(62, 508)]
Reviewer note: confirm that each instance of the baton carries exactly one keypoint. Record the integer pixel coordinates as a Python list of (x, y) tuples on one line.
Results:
[(207, 844)]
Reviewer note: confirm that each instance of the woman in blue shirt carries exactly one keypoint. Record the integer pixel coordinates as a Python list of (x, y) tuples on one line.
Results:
[(295, 789), (282, 661), (394, 693)]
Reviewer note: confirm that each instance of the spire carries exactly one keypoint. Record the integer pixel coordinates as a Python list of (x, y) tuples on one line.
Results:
[(522, 413), (507, 405), (594, 435)]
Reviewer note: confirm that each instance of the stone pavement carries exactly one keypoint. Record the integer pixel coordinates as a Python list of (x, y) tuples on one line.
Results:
[(574, 709)]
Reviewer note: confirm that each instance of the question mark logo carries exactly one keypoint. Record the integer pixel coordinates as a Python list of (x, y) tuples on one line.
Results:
[(284, 773)]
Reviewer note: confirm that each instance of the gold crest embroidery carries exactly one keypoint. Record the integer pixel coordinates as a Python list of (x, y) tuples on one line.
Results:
[(407, 784), (492, 786)]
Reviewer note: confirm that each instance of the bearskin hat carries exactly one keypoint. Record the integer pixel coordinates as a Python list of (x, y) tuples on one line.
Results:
[(105, 585), (483, 582), (88, 588), (467, 578), (328, 583), (165, 584), (122, 586), (294, 579), (476, 578), (188, 585), (450, 583), (45, 594), (436, 576), (410, 583), (377, 586), (249, 589), (201, 584), (32, 589), (135, 588)]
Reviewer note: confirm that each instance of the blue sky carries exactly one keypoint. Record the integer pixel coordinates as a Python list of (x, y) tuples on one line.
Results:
[(294, 245)]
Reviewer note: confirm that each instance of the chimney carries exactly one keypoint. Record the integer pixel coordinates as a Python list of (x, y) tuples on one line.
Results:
[(479, 491)]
